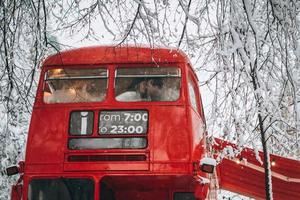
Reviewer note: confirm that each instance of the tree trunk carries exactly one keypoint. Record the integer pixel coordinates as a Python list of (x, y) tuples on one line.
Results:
[(268, 180), (267, 169)]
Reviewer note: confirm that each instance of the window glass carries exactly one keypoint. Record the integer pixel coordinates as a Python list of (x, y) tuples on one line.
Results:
[(106, 192), (184, 196), (147, 84), (107, 143), (75, 85), (61, 189), (192, 94), (81, 123)]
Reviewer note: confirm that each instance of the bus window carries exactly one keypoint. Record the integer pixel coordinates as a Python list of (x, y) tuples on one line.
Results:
[(147, 84), (61, 189), (75, 85), (106, 193), (184, 196), (107, 143), (81, 123), (192, 95)]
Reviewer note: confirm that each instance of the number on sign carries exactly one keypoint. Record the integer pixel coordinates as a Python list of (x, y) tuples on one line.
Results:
[(139, 129), (131, 129), (114, 129), (120, 129), (137, 117), (145, 117), (127, 116)]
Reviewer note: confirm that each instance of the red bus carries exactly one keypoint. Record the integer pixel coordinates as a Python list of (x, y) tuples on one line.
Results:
[(116, 123)]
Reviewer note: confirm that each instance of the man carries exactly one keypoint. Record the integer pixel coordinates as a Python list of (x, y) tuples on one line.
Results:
[(143, 89), (154, 89), (135, 92)]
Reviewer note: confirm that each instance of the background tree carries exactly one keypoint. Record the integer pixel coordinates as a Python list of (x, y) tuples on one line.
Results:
[(247, 54), (23, 44), (257, 63)]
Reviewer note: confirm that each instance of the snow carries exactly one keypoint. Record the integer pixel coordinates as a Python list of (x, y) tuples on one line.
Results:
[(218, 40), (270, 187), (257, 156), (203, 180), (208, 161), (229, 151)]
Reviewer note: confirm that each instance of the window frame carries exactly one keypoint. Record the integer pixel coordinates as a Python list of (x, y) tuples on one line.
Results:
[(81, 67), (107, 148), (194, 80), (147, 66), (69, 123), (96, 134), (91, 178), (191, 81), (127, 134)]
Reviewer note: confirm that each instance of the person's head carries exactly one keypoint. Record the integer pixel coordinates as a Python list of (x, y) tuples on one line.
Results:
[(148, 87), (139, 85), (154, 88)]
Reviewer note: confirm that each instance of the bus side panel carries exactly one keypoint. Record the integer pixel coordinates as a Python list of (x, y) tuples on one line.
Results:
[(47, 137), (171, 139), (198, 135)]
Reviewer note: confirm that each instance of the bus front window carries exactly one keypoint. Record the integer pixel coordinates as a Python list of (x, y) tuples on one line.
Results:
[(148, 84), (61, 189), (75, 85)]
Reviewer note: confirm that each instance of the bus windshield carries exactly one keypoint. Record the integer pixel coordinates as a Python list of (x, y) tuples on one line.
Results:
[(147, 84), (75, 85), (61, 189)]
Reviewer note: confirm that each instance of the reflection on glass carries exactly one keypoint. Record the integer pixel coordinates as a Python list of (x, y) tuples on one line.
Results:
[(75, 85), (148, 84), (184, 196), (61, 189), (81, 123), (192, 93)]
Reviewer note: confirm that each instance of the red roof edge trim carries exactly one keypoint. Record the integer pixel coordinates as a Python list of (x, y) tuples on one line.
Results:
[(109, 54)]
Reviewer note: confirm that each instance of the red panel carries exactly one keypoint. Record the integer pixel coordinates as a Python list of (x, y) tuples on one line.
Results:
[(198, 136), (106, 55), (107, 166), (170, 136), (172, 167), (234, 177), (248, 178), (145, 195), (47, 136)]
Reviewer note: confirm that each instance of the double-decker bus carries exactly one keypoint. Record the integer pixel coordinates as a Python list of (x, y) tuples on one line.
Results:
[(116, 123)]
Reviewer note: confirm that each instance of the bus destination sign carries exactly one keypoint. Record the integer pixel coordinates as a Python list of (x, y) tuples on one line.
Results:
[(123, 122)]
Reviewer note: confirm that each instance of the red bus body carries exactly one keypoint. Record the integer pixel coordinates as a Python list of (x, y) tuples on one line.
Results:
[(176, 137), (245, 175), (166, 167)]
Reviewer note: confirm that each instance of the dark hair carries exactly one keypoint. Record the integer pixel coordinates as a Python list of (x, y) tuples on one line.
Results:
[(135, 82), (157, 82)]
